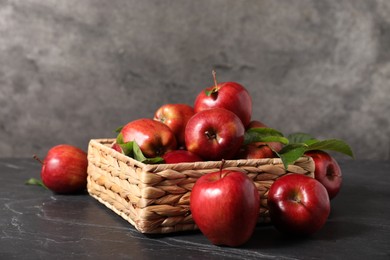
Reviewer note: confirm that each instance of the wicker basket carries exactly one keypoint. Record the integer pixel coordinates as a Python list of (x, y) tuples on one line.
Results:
[(154, 198)]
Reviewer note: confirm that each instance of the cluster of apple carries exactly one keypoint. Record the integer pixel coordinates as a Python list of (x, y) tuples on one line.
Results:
[(224, 204), (214, 128), (219, 127)]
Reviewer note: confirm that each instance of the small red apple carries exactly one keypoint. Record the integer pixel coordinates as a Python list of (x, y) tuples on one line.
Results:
[(255, 151), (175, 116), (214, 134), (180, 156), (117, 147), (153, 137), (275, 146), (228, 95), (255, 123), (225, 206), (64, 169), (298, 204), (327, 171)]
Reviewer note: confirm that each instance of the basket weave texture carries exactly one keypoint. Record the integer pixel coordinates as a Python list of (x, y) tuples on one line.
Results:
[(154, 198)]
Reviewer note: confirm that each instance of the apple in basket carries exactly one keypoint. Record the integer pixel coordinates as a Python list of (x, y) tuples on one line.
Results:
[(153, 137), (259, 150), (327, 171), (225, 206), (180, 156), (255, 151), (229, 95), (175, 116), (298, 204), (214, 134), (64, 169)]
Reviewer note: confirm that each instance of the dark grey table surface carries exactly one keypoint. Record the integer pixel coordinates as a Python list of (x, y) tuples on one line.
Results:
[(37, 224)]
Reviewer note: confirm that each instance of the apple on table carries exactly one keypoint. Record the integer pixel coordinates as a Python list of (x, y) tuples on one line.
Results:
[(64, 169), (298, 204), (327, 171), (225, 206)]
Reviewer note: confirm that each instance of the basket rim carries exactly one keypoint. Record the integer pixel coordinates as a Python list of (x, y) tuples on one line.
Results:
[(103, 143)]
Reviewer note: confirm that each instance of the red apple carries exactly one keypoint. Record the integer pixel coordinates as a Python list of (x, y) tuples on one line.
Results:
[(214, 134), (179, 156), (298, 204), (276, 146), (153, 137), (175, 116), (228, 95), (117, 147), (64, 169), (327, 171), (255, 123), (225, 206), (255, 151)]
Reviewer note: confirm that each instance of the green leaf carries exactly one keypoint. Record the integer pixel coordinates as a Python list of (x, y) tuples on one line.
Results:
[(291, 152), (119, 139), (302, 143), (154, 160), (34, 181), (264, 134), (127, 148), (336, 145), (139, 156), (118, 130), (212, 91), (297, 138)]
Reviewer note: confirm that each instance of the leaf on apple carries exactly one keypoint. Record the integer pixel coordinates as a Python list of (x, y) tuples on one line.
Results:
[(299, 143), (133, 150), (291, 152), (297, 138), (139, 156), (264, 134), (118, 130), (119, 139), (336, 145)]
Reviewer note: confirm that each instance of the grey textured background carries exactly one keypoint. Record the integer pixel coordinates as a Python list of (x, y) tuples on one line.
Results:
[(75, 70)]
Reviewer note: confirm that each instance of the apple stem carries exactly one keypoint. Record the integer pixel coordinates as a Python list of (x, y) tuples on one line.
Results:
[(37, 158), (215, 78)]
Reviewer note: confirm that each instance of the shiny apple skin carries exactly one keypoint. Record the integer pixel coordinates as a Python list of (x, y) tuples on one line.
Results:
[(256, 151), (175, 116), (231, 96), (225, 206), (153, 137), (214, 134), (327, 171), (298, 204), (180, 156), (64, 169)]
